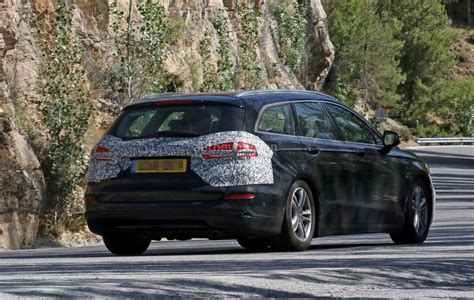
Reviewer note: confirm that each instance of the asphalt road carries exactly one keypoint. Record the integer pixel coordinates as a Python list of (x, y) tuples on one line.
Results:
[(350, 266)]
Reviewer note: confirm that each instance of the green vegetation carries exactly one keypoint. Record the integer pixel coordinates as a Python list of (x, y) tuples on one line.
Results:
[(225, 67), (222, 78), (367, 65), (453, 102), (248, 43), (398, 54), (66, 112), (425, 56), (141, 48), (292, 31), (209, 80)]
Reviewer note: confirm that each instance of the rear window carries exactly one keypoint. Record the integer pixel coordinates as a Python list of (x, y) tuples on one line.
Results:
[(177, 121)]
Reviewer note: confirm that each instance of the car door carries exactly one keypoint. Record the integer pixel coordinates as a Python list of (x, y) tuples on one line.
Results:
[(376, 183), (276, 127), (329, 163)]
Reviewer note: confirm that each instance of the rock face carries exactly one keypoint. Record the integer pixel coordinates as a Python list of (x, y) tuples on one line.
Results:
[(21, 180)]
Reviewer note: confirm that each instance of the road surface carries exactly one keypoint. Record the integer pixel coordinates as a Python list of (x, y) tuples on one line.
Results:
[(350, 266)]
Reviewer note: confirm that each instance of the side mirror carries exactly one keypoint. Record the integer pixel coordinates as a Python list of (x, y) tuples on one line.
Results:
[(391, 139)]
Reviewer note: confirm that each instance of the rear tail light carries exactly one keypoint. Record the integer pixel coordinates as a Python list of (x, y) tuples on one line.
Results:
[(224, 150), (99, 153), (227, 151), (89, 198), (245, 150)]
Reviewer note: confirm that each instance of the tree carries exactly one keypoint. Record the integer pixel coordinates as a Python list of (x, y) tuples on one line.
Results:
[(141, 49), (66, 111), (366, 64), (425, 56), (453, 102), (460, 11)]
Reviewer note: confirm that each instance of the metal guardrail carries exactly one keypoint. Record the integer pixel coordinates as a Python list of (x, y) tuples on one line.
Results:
[(453, 140)]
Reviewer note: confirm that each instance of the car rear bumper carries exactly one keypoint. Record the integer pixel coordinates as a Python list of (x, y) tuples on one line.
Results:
[(215, 219)]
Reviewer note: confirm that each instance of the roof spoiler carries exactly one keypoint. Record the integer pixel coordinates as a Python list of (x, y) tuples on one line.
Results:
[(156, 96)]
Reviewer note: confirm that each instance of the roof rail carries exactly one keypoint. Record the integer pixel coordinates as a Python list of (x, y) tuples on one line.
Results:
[(154, 96), (276, 91)]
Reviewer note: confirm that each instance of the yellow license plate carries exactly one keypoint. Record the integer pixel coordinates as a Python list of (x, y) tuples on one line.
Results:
[(160, 166)]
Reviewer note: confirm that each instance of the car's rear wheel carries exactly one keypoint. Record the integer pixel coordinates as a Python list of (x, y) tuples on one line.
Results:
[(299, 219), (418, 216), (254, 243), (126, 245)]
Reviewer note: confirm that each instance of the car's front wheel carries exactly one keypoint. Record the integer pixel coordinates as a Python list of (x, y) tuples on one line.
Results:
[(126, 245), (299, 220), (418, 216)]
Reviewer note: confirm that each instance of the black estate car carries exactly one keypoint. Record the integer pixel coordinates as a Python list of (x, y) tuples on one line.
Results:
[(270, 168)]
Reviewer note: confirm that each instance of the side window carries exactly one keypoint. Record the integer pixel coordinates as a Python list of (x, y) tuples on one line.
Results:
[(313, 121), (277, 119), (352, 127)]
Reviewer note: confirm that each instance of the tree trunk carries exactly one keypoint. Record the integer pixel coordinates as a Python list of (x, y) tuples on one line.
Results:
[(129, 75), (468, 9)]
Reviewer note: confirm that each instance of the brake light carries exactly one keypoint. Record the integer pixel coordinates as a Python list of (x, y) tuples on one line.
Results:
[(226, 150), (101, 150), (245, 150), (235, 196), (172, 102)]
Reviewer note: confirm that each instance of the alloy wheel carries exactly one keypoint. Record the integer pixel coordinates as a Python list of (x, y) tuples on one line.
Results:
[(420, 210), (301, 216)]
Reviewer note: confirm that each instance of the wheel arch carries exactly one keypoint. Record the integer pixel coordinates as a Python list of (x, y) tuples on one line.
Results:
[(426, 180)]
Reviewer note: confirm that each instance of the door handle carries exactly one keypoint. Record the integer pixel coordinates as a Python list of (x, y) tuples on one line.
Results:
[(360, 153), (313, 151)]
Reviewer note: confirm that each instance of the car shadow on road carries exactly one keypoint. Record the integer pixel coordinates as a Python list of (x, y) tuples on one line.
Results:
[(182, 272), (187, 277), (100, 251)]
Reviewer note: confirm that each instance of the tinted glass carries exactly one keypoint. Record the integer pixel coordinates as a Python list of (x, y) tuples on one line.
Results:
[(313, 121), (277, 119), (177, 121), (352, 127)]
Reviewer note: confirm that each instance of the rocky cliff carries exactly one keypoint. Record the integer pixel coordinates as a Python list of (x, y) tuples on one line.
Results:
[(22, 186)]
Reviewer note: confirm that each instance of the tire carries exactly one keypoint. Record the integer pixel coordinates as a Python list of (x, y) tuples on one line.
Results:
[(298, 224), (126, 245), (418, 216), (254, 244)]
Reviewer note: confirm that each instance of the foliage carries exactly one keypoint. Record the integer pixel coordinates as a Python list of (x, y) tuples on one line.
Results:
[(248, 43), (66, 112), (194, 70), (398, 53), (366, 65), (141, 49), (209, 79), (425, 56), (155, 37), (452, 101), (470, 126), (292, 31), (405, 134), (344, 91), (225, 66), (222, 78)]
